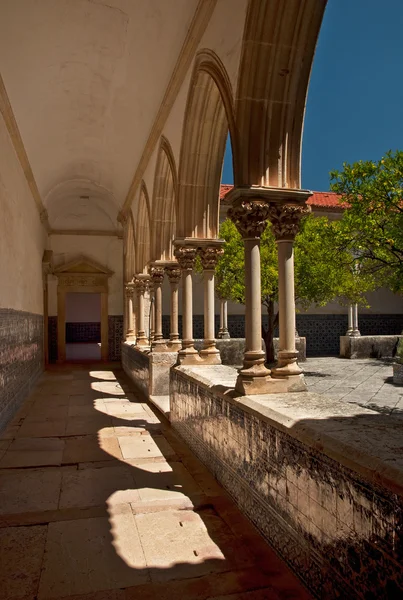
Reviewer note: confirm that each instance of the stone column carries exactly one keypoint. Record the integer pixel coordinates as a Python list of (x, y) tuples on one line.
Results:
[(356, 331), (157, 276), (223, 332), (141, 286), (209, 256), (285, 220), (186, 256), (174, 275), (250, 217), (350, 318), (129, 293)]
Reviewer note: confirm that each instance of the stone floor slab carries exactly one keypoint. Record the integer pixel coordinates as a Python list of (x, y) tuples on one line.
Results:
[(91, 448), (33, 452), (29, 490), (96, 487), (145, 447), (21, 558), (180, 546), (91, 555)]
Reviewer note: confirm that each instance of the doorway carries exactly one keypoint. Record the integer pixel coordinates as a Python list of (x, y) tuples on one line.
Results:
[(83, 326)]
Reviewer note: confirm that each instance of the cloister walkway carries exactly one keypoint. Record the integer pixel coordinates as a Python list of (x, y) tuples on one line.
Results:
[(100, 500)]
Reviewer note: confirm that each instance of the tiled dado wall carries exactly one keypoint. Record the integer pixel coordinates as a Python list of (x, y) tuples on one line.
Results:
[(341, 534), (21, 358), (89, 332), (322, 332)]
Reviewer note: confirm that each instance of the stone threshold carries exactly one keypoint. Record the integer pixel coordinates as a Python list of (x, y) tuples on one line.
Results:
[(358, 438)]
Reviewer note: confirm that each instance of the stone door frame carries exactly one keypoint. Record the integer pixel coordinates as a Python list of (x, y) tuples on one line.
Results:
[(81, 276)]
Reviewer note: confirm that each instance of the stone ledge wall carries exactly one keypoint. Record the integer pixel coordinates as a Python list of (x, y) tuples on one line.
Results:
[(21, 359), (339, 531), (136, 365), (369, 346)]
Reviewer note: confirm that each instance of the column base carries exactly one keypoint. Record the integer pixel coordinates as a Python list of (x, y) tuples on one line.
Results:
[(174, 345), (287, 365), (131, 338), (209, 353), (142, 341), (189, 355), (252, 385), (160, 346), (224, 335)]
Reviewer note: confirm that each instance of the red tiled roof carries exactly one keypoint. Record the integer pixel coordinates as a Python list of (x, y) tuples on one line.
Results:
[(319, 200)]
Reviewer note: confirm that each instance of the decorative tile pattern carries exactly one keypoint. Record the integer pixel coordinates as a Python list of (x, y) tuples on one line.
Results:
[(115, 337), (341, 534), (21, 358), (83, 332), (322, 332)]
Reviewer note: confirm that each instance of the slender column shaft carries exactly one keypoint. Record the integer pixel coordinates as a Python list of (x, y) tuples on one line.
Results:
[(130, 329), (158, 312), (209, 256), (209, 305), (286, 296), (356, 331), (174, 327), (186, 256), (187, 308), (221, 330), (141, 339), (350, 317), (253, 334), (225, 315), (174, 275)]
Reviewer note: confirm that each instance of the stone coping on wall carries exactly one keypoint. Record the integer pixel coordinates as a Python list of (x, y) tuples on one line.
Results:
[(369, 346), (358, 438)]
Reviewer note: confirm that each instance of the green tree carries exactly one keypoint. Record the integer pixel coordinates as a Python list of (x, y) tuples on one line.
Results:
[(322, 273), (372, 224)]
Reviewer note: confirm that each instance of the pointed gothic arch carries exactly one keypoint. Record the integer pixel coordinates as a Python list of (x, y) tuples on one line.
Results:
[(142, 231), (129, 249), (209, 116), (163, 206)]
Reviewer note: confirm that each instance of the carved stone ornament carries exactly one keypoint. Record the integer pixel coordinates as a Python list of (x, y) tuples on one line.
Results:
[(157, 275), (186, 256), (76, 280), (250, 217), (141, 285), (285, 219), (129, 290), (174, 274), (209, 256)]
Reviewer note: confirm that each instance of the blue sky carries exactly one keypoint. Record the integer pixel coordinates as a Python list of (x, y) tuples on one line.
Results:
[(355, 100)]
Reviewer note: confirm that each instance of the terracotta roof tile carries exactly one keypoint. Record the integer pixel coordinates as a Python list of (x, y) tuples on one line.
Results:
[(329, 200)]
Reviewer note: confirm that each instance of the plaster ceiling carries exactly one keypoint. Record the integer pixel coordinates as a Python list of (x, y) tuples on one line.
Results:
[(85, 79)]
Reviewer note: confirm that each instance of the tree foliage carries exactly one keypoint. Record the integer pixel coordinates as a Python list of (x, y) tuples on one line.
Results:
[(372, 224), (322, 272)]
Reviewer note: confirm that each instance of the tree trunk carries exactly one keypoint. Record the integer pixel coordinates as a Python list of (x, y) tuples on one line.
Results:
[(268, 333)]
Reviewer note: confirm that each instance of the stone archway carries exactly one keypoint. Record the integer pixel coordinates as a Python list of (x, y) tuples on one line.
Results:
[(81, 275)]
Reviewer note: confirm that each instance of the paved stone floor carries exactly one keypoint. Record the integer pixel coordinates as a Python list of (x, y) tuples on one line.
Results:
[(100, 500), (366, 382)]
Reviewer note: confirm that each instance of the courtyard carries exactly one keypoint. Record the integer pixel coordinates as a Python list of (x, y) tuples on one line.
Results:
[(366, 382)]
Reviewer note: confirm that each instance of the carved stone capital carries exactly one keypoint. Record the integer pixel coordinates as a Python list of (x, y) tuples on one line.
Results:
[(285, 219), (174, 274), (209, 256), (129, 290), (157, 275), (250, 217), (141, 285), (186, 256)]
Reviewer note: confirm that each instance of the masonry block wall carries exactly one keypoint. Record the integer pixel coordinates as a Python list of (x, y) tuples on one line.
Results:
[(22, 242), (340, 531)]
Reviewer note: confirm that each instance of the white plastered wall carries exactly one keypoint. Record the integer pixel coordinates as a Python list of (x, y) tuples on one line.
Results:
[(22, 236), (106, 250)]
